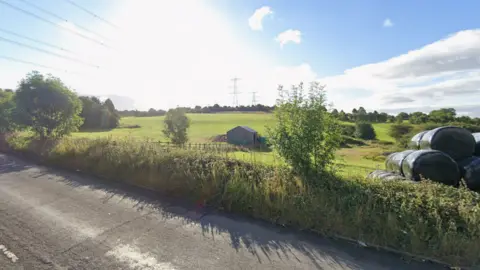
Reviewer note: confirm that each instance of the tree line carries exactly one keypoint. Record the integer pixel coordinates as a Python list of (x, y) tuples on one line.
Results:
[(46, 106), (441, 116), (216, 108)]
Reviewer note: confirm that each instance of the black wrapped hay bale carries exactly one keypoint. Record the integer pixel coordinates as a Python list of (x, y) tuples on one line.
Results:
[(456, 142), (415, 141), (476, 136), (470, 171), (433, 165), (394, 161), (385, 175)]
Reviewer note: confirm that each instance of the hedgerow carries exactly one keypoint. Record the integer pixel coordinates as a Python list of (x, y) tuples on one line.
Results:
[(425, 219)]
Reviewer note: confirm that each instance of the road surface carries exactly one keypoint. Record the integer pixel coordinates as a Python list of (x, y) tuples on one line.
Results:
[(51, 219)]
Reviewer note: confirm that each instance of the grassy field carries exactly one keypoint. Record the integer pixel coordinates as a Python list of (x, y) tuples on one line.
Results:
[(355, 160)]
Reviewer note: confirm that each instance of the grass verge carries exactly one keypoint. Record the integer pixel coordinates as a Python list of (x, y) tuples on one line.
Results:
[(425, 219)]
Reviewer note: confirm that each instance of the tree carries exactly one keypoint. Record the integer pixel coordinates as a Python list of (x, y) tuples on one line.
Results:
[(305, 134), (335, 113), (47, 106), (401, 117), (382, 117), (373, 117), (443, 115), (418, 118), (109, 104), (397, 131), (342, 116), (98, 115), (176, 124), (365, 131), (464, 119), (7, 107)]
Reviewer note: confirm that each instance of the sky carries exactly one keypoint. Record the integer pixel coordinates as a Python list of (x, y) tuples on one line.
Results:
[(383, 55)]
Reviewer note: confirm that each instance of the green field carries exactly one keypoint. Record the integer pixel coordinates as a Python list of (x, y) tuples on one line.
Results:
[(354, 160)]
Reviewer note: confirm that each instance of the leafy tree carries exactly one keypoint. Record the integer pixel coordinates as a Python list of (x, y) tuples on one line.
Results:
[(397, 131), (109, 105), (176, 124), (403, 116), (305, 134), (390, 118), (365, 131), (98, 115), (382, 117), (373, 117), (362, 115), (443, 115), (342, 116), (464, 119), (47, 106), (7, 107), (418, 118), (335, 113)]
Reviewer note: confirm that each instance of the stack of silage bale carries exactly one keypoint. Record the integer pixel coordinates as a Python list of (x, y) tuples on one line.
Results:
[(393, 166), (444, 155), (385, 175), (460, 145), (476, 136)]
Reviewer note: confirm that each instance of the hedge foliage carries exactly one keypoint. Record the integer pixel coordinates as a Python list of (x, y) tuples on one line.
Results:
[(365, 131), (425, 219)]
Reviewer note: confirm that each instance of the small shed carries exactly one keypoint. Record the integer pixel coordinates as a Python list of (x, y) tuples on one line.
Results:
[(242, 135)]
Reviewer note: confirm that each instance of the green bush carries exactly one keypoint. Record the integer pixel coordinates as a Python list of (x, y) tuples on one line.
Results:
[(365, 131), (469, 127), (425, 219), (305, 135), (397, 131), (347, 130)]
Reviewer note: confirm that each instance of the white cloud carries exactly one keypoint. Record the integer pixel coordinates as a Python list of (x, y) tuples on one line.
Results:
[(290, 35), (387, 23), (444, 73), (255, 21)]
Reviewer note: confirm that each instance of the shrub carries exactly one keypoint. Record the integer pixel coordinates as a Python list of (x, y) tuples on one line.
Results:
[(47, 106), (305, 135), (469, 127), (176, 124), (397, 131), (424, 219), (347, 130), (365, 131)]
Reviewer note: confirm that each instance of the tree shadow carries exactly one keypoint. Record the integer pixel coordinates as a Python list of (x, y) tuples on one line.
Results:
[(261, 239), (8, 165), (95, 130)]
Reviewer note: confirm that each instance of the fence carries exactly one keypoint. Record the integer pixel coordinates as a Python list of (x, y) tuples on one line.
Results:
[(210, 147)]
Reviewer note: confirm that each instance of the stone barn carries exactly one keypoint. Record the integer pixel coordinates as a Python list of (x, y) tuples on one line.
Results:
[(242, 135)]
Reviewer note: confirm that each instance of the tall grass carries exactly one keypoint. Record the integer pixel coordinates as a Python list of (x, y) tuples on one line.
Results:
[(425, 219)]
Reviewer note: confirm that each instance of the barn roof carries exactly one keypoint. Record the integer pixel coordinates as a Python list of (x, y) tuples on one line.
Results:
[(246, 128)]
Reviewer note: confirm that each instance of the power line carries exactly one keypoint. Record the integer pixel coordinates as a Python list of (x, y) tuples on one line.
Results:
[(35, 40), (53, 23), (30, 63), (235, 91), (61, 18), (47, 52), (91, 13)]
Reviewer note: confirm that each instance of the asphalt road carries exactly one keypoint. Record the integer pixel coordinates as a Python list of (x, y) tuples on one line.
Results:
[(51, 219)]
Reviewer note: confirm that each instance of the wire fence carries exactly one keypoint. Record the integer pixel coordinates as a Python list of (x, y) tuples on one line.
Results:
[(214, 147), (210, 147)]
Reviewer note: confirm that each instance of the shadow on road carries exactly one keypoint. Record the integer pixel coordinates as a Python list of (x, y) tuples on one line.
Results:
[(261, 239), (8, 165)]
